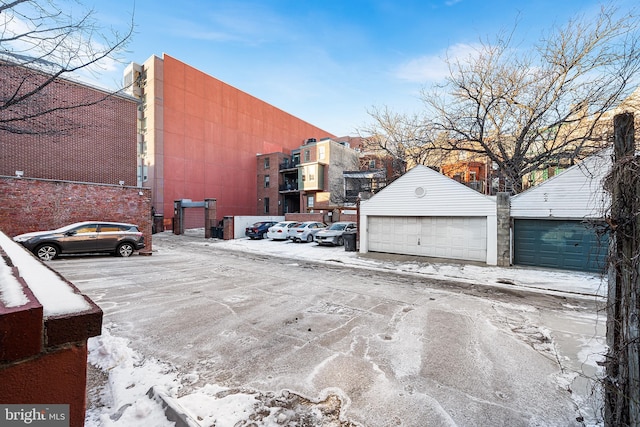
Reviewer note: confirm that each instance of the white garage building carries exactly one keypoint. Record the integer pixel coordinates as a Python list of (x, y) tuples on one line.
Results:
[(427, 214)]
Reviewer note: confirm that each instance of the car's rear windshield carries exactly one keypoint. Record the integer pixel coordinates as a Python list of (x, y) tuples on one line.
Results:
[(337, 226)]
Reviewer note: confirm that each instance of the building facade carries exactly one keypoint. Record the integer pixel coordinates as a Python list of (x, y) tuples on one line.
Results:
[(310, 179), (94, 141), (199, 137)]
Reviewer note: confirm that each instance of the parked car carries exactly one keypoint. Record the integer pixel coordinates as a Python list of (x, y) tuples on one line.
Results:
[(305, 231), (279, 231), (332, 235), (121, 239), (258, 230)]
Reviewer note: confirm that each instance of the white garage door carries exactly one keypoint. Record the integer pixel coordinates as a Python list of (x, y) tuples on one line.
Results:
[(441, 237)]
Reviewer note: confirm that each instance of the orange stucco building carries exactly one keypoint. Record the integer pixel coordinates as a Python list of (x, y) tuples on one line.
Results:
[(199, 137)]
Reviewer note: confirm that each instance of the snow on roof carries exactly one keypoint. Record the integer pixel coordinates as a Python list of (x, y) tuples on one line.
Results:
[(55, 295)]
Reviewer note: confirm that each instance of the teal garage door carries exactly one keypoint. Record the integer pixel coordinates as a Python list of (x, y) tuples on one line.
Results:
[(567, 245)]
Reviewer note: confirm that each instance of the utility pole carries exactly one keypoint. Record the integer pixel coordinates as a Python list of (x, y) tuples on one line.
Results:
[(622, 381)]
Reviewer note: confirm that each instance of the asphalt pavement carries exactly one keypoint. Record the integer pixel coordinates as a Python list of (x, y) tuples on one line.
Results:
[(395, 349)]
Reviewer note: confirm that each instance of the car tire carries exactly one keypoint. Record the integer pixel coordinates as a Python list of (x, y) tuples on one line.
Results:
[(124, 250), (340, 241), (264, 235), (310, 238), (47, 252)]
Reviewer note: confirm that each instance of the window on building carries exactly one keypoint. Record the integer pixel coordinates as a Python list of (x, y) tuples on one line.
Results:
[(310, 201), (266, 163), (372, 164), (267, 180), (143, 173), (312, 175), (321, 152), (307, 156), (472, 176), (266, 205)]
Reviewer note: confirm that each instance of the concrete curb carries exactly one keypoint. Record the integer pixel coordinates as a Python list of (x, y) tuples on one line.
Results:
[(172, 409)]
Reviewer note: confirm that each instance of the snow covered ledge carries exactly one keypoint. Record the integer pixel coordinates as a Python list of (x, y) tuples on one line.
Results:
[(45, 323)]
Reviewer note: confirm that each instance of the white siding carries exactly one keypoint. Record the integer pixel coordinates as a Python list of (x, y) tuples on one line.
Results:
[(426, 213), (575, 193), (442, 197)]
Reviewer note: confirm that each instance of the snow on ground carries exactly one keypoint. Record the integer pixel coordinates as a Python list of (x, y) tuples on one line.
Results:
[(548, 281), (130, 376)]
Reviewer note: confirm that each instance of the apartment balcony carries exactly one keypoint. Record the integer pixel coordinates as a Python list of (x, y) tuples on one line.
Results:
[(289, 187), (351, 196), (479, 186), (289, 165)]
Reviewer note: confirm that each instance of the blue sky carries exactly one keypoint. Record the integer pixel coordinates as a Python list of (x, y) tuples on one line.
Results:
[(328, 61)]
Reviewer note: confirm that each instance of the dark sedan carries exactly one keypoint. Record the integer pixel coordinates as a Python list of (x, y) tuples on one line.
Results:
[(121, 239), (259, 229)]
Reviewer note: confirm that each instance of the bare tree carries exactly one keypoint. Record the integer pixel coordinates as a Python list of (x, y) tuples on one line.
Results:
[(521, 109), (400, 141), (41, 43), (524, 109)]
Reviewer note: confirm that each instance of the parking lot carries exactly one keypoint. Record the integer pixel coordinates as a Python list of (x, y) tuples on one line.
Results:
[(389, 348)]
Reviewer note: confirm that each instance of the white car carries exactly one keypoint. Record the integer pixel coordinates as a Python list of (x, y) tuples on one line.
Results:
[(305, 231), (280, 230)]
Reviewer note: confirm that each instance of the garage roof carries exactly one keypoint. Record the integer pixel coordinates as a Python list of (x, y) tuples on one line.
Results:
[(424, 192)]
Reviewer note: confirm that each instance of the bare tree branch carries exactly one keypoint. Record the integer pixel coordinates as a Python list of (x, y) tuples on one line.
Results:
[(523, 109), (41, 43)]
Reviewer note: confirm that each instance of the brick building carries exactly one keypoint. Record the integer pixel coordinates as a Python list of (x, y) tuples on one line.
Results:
[(308, 180), (71, 157), (199, 137), (94, 142)]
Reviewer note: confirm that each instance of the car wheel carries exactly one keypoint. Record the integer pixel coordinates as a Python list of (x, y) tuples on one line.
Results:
[(310, 238), (340, 241), (264, 235), (47, 252), (124, 250)]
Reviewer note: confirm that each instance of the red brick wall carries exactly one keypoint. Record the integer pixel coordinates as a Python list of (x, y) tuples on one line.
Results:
[(33, 205), (96, 143), (56, 377), (273, 191)]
